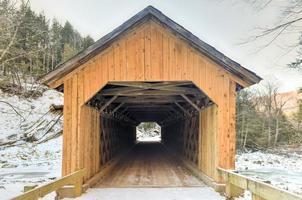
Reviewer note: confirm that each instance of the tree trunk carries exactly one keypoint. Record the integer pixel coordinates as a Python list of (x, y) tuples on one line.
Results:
[(245, 137), (269, 134), (277, 131)]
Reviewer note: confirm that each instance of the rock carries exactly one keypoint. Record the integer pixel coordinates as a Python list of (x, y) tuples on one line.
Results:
[(3, 161), (8, 165), (267, 181), (258, 162)]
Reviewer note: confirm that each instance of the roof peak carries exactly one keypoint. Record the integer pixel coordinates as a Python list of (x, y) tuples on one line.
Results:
[(156, 14)]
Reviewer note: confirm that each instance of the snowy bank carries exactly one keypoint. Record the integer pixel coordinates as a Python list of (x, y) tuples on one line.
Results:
[(28, 163)]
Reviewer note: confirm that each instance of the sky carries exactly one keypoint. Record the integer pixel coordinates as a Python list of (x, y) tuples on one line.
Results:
[(224, 24)]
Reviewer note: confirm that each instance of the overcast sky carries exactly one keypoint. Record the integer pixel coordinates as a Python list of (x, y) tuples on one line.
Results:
[(223, 24)]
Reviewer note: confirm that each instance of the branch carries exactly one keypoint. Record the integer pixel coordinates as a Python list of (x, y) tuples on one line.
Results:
[(13, 109)]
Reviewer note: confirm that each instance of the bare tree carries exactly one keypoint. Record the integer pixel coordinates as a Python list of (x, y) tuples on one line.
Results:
[(271, 104), (290, 19)]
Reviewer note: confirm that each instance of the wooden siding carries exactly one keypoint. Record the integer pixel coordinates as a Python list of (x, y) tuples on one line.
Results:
[(207, 140), (148, 53)]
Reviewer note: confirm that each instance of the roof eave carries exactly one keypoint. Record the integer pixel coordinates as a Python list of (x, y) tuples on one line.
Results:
[(150, 12)]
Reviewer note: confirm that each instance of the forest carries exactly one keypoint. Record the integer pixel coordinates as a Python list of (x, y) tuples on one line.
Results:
[(31, 44)]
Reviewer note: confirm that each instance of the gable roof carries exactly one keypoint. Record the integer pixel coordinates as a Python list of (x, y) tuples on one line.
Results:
[(150, 13)]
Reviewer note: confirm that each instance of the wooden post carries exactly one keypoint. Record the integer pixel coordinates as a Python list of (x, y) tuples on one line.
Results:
[(256, 197), (233, 191), (78, 187)]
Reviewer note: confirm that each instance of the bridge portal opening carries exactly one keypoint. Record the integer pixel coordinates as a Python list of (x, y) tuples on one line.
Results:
[(168, 114)]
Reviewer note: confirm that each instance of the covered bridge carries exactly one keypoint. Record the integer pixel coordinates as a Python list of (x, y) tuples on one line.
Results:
[(149, 69)]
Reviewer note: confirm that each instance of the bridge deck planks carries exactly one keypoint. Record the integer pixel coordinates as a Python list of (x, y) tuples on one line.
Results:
[(150, 165)]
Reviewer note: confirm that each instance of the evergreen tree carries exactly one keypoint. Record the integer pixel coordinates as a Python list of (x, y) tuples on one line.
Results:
[(29, 46), (55, 42), (87, 41)]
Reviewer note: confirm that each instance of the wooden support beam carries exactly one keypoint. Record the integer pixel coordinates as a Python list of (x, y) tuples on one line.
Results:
[(117, 107), (108, 103), (176, 111), (144, 92), (148, 99), (139, 87), (233, 190), (182, 108), (256, 197), (148, 85), (125, 109), (190, 102)]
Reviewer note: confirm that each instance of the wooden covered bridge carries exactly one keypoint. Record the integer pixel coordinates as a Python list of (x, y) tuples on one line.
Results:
[(149, 69)]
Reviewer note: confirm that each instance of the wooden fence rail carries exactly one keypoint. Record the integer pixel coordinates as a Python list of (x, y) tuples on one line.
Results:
[(75, 179), (236, 184)]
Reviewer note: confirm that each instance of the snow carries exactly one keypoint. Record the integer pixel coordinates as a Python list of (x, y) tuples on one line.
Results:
[(246, 196), (150, 135), (28, 164), (179, 193), (283, 170), (31, 111)]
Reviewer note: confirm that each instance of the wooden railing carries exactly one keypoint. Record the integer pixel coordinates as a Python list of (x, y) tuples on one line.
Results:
[(75, 179), (236, 184)]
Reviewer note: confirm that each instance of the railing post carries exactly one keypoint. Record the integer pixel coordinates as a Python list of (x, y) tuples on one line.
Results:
[(78, 187), (256, 197), (232, 190)]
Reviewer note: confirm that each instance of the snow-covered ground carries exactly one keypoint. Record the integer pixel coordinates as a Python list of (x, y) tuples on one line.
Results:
[(28, 164), (283, 170)]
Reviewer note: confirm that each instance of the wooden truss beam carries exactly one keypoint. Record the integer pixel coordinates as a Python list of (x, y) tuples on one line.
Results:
[(143, 99), (108, 103), (117, 107), (145, 92), (131, 87), (190, 102), (182, 108), (149, 85)]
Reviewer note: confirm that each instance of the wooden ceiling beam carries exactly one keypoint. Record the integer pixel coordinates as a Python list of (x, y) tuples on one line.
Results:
[(142, 99), (190, 102), (108, 103), (182, 108), (148, 85), (146, 92), (117, 107), (141, 86)]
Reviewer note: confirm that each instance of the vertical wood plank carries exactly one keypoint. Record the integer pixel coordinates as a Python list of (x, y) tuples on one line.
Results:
[(166, 57), (156, 53), (111, 66), (232, 124), (74, 122), (117, 63), (67, 127), (80, 152), (147, 34)]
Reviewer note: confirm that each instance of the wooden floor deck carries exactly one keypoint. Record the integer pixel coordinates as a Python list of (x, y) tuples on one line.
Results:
[(149, 165)]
